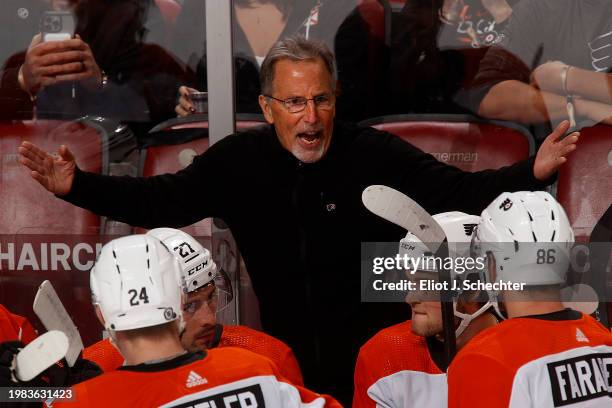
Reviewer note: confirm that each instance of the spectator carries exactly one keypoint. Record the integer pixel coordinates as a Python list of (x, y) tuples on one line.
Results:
[(297, 192), (553, 64), (258, 24), (108, 69), (437, 48), (19, 19)]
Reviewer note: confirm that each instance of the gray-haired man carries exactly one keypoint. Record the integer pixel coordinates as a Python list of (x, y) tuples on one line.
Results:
[(291, 194)]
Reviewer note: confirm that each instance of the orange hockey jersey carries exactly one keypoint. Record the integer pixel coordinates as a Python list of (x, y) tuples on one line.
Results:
[(265, 345), (222, 377), (395, 369), (554, 360), (15, 327), (108, 358)]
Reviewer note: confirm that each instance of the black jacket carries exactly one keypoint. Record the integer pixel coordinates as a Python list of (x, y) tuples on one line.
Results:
[(302, 253)]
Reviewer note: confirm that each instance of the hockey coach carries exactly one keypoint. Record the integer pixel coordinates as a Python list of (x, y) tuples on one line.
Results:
[(291, 194)]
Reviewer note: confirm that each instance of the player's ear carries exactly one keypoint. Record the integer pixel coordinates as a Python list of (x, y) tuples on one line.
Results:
[(266, 108)]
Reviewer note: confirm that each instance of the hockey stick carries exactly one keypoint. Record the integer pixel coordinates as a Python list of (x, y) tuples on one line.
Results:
[(398, 208), (40, 354), (52, 313)]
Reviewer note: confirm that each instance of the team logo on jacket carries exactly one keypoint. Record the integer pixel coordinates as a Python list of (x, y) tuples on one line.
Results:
[(194, 379), (581, 378)]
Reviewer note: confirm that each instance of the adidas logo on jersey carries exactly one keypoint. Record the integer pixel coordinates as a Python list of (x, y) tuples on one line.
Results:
[(581, 337), (193, 379)]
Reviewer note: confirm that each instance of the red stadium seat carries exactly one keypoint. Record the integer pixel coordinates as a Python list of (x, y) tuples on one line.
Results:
[(584, 187), (43, 237), (460, 140)]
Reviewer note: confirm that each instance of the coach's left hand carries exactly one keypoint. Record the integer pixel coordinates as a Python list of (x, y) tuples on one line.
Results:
[(552, 154)]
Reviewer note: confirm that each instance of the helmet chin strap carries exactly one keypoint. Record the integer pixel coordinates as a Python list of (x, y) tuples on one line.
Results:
[(466, 319)]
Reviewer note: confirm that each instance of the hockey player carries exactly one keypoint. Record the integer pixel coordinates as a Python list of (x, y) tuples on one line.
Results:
[(136, 293), (404, 365), (544, 355), (204, 288)]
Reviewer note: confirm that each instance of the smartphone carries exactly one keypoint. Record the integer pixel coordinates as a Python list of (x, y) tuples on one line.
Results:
[(57, 26)]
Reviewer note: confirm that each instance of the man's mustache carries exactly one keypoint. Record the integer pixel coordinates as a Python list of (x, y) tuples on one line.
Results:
[(310, 128)]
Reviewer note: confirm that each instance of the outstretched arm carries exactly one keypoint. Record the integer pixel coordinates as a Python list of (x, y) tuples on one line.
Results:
[(172, 200)]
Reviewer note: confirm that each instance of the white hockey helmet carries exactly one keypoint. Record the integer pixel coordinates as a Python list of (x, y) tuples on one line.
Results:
[(197, 266), (529, 236), (136, 283), (459, 229)]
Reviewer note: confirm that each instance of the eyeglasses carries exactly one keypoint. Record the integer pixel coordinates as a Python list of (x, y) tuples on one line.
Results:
[(298, 103)]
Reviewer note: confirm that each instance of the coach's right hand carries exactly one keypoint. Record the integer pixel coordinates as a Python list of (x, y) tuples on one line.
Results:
[(54, 172)]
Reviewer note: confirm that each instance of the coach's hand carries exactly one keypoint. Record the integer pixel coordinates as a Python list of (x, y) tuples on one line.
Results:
[(54, 172), (552, 154)]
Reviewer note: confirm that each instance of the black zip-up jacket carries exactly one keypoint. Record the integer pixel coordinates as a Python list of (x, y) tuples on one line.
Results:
[(299, 226)]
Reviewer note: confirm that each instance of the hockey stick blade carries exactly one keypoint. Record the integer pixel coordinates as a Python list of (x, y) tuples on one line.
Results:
[(398, 208), (40, 354), (52, 313)]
